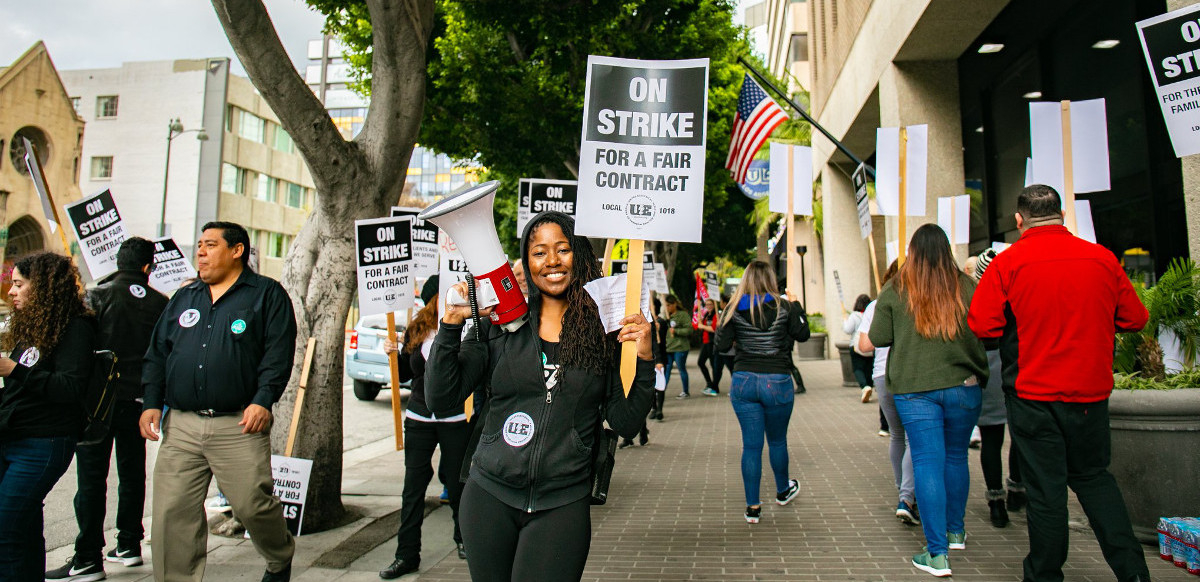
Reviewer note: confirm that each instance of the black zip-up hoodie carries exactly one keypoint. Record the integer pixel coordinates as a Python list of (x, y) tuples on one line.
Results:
[(545, 459), (43, 397)]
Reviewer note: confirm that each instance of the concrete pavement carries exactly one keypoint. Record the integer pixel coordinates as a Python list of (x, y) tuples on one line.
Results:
[(675, 508)]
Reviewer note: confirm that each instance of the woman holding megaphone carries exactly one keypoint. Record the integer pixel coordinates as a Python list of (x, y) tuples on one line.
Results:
[(525, 511)]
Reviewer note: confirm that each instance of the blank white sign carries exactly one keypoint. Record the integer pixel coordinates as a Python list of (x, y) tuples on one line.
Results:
[(801, 179), (887, 170), (1089, 145)]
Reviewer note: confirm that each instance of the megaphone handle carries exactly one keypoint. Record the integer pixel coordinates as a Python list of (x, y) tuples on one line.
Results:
[(474, 304)]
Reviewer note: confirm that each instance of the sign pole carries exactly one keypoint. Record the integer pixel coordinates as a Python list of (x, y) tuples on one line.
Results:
[(308, 356), (1068, 194), (874, 263), (901, 246), (394, 367), (633, 304), (40, 179), (791, 223), (606, 267)]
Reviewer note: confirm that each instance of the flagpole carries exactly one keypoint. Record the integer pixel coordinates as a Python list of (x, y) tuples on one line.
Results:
[(784, 96)]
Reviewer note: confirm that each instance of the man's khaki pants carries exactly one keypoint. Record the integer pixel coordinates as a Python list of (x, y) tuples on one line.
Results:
[(194, 449)]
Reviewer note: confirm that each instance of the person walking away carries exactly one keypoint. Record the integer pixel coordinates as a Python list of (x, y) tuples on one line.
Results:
[(424, 431), (219, 359), (526, 507), (708, 331), (126, 309), (1057, 399), (679, 332), (991, 425), (721, 360), (659, 327), (899, 453), (861, 362), (761, 327), (50, 338), (934, 374)]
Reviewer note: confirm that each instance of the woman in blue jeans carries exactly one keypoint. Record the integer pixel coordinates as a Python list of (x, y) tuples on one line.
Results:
[(935, 369), (50, 340), (761, 328)]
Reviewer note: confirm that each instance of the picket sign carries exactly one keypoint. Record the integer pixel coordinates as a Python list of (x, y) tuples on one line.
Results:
[(43, 190), (903, 185)]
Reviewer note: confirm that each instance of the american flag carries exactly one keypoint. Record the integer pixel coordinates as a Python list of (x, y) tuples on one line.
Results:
[(757, 116)]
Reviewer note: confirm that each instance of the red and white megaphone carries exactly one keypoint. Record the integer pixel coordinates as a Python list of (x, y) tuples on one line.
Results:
[(467, 218)]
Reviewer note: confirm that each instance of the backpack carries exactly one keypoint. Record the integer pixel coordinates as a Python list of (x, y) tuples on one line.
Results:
[(99, 398)]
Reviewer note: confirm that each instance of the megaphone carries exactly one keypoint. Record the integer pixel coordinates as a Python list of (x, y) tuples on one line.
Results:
[(467, 218)]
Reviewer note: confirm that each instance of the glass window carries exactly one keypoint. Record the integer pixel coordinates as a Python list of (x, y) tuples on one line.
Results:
[(277, 245), (799, 51), (106, 106), (252, 127), (283, 141), (232, 179), (75, 104), (295, 195), (265, 187), (102, 167)]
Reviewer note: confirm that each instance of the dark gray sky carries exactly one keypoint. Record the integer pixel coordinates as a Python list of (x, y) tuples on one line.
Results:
[(87, 34)]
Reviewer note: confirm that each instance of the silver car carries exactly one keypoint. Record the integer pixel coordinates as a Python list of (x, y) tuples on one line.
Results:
[(366, 363)]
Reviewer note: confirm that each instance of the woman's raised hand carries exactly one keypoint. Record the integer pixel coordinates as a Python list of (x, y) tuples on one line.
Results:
[(635, 328), (457, 313)]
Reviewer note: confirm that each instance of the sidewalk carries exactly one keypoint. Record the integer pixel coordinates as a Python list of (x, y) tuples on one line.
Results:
[(675, 510)]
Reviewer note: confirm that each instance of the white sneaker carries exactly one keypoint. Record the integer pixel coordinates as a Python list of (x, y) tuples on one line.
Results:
[(867, 391), (976, 439)]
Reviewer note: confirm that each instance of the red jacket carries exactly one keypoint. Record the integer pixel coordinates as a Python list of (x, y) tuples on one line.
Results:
[(1056, 302)]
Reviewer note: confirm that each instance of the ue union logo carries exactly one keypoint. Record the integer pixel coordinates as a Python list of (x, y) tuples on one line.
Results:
[(758, 180)]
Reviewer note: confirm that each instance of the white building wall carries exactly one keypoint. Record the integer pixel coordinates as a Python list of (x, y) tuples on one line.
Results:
[(150, 95)]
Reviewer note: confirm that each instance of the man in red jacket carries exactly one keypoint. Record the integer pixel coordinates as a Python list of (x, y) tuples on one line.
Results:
[(1056, 302)]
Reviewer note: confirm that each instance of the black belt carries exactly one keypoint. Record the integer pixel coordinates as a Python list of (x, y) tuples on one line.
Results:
[(210, 413)]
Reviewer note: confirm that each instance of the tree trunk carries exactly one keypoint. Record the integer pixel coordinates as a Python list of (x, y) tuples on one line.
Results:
[(355, 180)]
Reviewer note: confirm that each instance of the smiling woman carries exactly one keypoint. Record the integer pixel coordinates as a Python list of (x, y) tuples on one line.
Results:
[(551, 384)]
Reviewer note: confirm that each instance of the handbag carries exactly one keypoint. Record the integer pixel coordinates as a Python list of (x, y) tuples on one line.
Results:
[(798, 380), (604, 457)]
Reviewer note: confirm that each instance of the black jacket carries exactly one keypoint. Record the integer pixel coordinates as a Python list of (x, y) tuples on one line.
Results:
[(127, 308), (43, 397), (764, 347), (553, 467), (412, 367)]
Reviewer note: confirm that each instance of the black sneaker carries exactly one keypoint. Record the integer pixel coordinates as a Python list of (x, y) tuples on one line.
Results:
[(75, 571), (644, 438), (462, 551), (625, 443), (284, 575), (786, 496), (125, 556), (753, 514), (398, 569)]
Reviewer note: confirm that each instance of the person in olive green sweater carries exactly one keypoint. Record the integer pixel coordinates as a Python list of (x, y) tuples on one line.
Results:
[(679, 332), (935, 370)]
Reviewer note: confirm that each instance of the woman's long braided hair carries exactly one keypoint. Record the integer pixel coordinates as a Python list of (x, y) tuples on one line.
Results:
[(54, 298), (584, 343)]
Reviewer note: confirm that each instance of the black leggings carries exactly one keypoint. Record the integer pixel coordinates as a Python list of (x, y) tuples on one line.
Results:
[(989, 458), (706, 355), (505, 543)]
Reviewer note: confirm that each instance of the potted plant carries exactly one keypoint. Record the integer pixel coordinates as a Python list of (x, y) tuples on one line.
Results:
[(814, 348), (1155, 415)]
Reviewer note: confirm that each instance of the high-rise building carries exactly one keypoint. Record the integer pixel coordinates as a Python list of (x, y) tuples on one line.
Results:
[(247, 170), (430, 175)]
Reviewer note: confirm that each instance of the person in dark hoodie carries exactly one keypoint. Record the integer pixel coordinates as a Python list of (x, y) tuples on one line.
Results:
[(764, 327), (425, 429), (50, 339), (126, 308), (526, 505)]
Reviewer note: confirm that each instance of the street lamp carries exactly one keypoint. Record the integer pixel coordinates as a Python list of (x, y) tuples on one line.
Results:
[(174, 130)]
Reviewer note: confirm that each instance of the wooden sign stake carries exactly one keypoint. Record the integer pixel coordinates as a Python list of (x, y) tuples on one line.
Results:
[(633, 304), (874, 263), (394, 366), (1068, 194), (606, 267), (299, 408), (903, 240), (792, 256)]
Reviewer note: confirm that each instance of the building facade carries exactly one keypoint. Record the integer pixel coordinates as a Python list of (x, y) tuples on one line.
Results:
[(430, 175), (246, 171), (969, 71), (34, 104)]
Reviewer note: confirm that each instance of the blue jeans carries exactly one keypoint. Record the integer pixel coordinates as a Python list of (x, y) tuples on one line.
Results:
[(763, 405), (938, 424), (677, 359), (29, 468)]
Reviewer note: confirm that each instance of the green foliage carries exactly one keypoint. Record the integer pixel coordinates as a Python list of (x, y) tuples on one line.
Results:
[(506, 82), (816, 323), (1185, 379), (1174, 305)]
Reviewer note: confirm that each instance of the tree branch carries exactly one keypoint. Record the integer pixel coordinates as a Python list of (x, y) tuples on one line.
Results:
[(515, 46), (254, 40)]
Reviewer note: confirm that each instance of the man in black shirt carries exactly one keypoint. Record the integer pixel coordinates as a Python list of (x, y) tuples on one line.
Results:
[(126, 309), (220, 357)]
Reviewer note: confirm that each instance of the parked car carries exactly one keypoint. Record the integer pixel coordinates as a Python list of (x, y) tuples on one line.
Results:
[(366, 363)]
